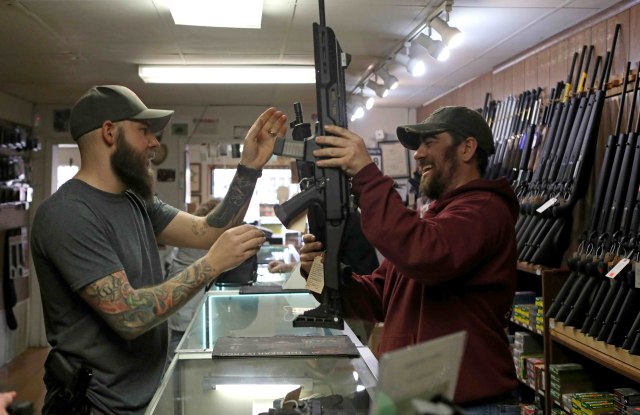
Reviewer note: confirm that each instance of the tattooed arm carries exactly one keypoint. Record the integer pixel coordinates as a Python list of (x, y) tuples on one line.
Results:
[(187, 230), (195, 232), (131, 312)]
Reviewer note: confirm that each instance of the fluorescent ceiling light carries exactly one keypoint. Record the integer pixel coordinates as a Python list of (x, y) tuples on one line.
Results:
[(227, 74), (217, 13), (260, 391)]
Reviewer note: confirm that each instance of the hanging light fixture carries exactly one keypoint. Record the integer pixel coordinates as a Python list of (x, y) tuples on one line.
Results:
[(390, 81), (356, 110), (437, 20), (358, 105), (436, 48), (452, 36), (368, 102), (380, 90), (415, 66)]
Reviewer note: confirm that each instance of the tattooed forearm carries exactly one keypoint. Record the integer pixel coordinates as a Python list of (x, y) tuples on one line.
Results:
[(131, 312), (198, 227), (233, 207)]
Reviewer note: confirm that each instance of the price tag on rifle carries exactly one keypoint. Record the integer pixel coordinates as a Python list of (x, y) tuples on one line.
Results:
[(547, 205), (299, 223), (618, 267), (637, 270), (315, 281)]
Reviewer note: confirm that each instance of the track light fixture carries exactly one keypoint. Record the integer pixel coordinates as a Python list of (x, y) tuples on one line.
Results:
[(355, 110), (436, 48), (415, 66), (368, 102), (380, 90), (358, 105), (437, 20), (390, 81), (452, 36)]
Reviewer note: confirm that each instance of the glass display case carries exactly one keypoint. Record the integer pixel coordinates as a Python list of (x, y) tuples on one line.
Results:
[(197, 383), (252, 386), (225, 313)]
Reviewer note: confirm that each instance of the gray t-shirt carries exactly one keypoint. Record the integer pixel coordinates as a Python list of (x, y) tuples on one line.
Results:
[(79, 235)]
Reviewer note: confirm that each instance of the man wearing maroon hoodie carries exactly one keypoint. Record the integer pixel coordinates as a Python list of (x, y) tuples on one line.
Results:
[(452, 269)]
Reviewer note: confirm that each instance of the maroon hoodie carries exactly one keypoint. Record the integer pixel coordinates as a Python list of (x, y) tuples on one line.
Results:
[(453, 269)]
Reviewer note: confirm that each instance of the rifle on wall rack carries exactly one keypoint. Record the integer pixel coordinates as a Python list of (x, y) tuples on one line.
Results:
[(610, 247), (561, 178)]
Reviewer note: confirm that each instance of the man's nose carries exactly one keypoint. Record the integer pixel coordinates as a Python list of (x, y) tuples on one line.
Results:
[(153, 140)]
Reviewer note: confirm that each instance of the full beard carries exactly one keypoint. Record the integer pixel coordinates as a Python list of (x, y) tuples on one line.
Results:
[(436, 182), (132, 168)]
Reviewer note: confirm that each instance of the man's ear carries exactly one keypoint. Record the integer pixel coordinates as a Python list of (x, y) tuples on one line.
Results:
[(109, 132), (469, 147)]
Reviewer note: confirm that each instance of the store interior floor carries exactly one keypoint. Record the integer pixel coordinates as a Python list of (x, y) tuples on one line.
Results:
[(24, 375)]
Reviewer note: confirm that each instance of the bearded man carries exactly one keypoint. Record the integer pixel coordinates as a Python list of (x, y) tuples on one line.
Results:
[(454, 268), (94, 246)]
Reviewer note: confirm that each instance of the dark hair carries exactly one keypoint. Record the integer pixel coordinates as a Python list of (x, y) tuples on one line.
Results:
[(207, 206), (482, 159)]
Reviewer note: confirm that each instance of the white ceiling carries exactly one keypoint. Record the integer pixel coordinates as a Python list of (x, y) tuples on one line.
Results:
[(51, 51)]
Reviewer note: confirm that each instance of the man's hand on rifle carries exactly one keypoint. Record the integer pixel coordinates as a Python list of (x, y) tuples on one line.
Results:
[(259, 142), (308, 252), (345, 150)]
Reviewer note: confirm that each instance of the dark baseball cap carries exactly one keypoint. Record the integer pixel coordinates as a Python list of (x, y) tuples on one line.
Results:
[(113, 103), (461, 120)]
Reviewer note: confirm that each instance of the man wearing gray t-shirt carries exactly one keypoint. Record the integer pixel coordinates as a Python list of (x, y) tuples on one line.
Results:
[(181, 258), (94, 246)]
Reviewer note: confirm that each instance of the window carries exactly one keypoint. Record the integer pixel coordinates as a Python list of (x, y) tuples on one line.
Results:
[(65, 164), (266, 190), (65, 173)]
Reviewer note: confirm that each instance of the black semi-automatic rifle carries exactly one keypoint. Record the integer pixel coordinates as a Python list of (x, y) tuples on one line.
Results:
[(327, 193)]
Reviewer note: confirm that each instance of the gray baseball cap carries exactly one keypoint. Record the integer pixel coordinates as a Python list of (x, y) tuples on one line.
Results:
[(461, 120), (113, 103)]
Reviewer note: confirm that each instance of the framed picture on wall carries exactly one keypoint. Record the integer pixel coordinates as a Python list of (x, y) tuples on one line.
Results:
[(395, 159), (195, 177), (376, 156), (196, 199)]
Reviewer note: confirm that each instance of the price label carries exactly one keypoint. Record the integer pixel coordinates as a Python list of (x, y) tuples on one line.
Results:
[(618, 267), (315, 281), (547, 205)]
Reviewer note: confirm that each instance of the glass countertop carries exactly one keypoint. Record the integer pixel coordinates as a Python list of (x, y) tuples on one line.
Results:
[(251, 315), (264, 277)]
